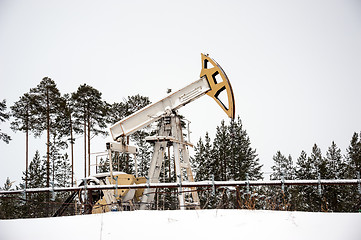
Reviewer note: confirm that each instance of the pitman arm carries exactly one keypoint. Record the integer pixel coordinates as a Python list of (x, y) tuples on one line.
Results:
[(207, 84)]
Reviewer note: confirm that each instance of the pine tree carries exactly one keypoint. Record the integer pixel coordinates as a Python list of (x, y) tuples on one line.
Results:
[(335, 165), (48, 105), (202, 164), (103, 165), (56, 145), (198, 161), (62, 173), (37, 172), (66, 127), (23, 112), (229, 157), (127, 107), (35, 204), (90, 111), (319, 162), (304, 169), (9, 207), (335, 169), (353, 169), (311, 167), (4, 116), (354, 155), (246, 161), (144, 152), (221, 153), (221, 164), (283, 167)]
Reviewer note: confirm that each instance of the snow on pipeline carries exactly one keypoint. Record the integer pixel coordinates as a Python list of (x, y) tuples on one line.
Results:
[(190, 224)]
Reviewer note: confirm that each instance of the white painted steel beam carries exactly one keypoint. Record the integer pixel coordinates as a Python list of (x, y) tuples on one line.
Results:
[(119, 147), (153, 112)]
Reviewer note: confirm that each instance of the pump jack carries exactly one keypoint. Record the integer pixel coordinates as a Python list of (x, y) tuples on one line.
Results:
[(213, 82)]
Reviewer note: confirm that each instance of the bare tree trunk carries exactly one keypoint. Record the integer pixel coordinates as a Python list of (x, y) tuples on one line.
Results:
[(88, 144), (47, 149), (27, 147), (84, 144), (72, 152), (47, 139), (27, 157)]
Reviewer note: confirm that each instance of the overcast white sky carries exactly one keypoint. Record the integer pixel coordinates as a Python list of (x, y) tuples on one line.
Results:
[(294, 65)]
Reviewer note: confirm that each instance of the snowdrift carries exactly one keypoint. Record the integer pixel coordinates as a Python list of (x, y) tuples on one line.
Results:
[(190, 224)]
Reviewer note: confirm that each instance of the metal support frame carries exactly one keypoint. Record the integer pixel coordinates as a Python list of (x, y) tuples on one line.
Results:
[(170, 132)]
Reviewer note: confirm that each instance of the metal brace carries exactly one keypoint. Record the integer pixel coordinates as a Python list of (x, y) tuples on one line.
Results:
[(358, 183), (247, 187), (52, 191), (180, 183), (319, 184), (147, 182), (213, 185), (85, 190), (23, 194), (116, 187)]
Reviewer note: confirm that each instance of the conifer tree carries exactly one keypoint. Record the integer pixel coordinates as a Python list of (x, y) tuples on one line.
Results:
[(221, 153), (311, 168), (90, 111), (144, 152), (68, 127), (353, 163), (135, 103), (4, 116), (335, 169), (9, 206), (198, 161), (48, 106), (103, 165), (35, 205), (304, 169), (283, 167), (354, 155), (62, 176), (246, 161), (23, 111), (202, 164), (319, 163), (231, 157)]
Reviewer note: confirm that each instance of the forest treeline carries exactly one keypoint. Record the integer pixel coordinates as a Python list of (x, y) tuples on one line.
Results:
[(229, 156), (43, 110)]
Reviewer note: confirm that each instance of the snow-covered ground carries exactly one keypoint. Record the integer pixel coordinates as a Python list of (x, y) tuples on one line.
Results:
[(191, 224)]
